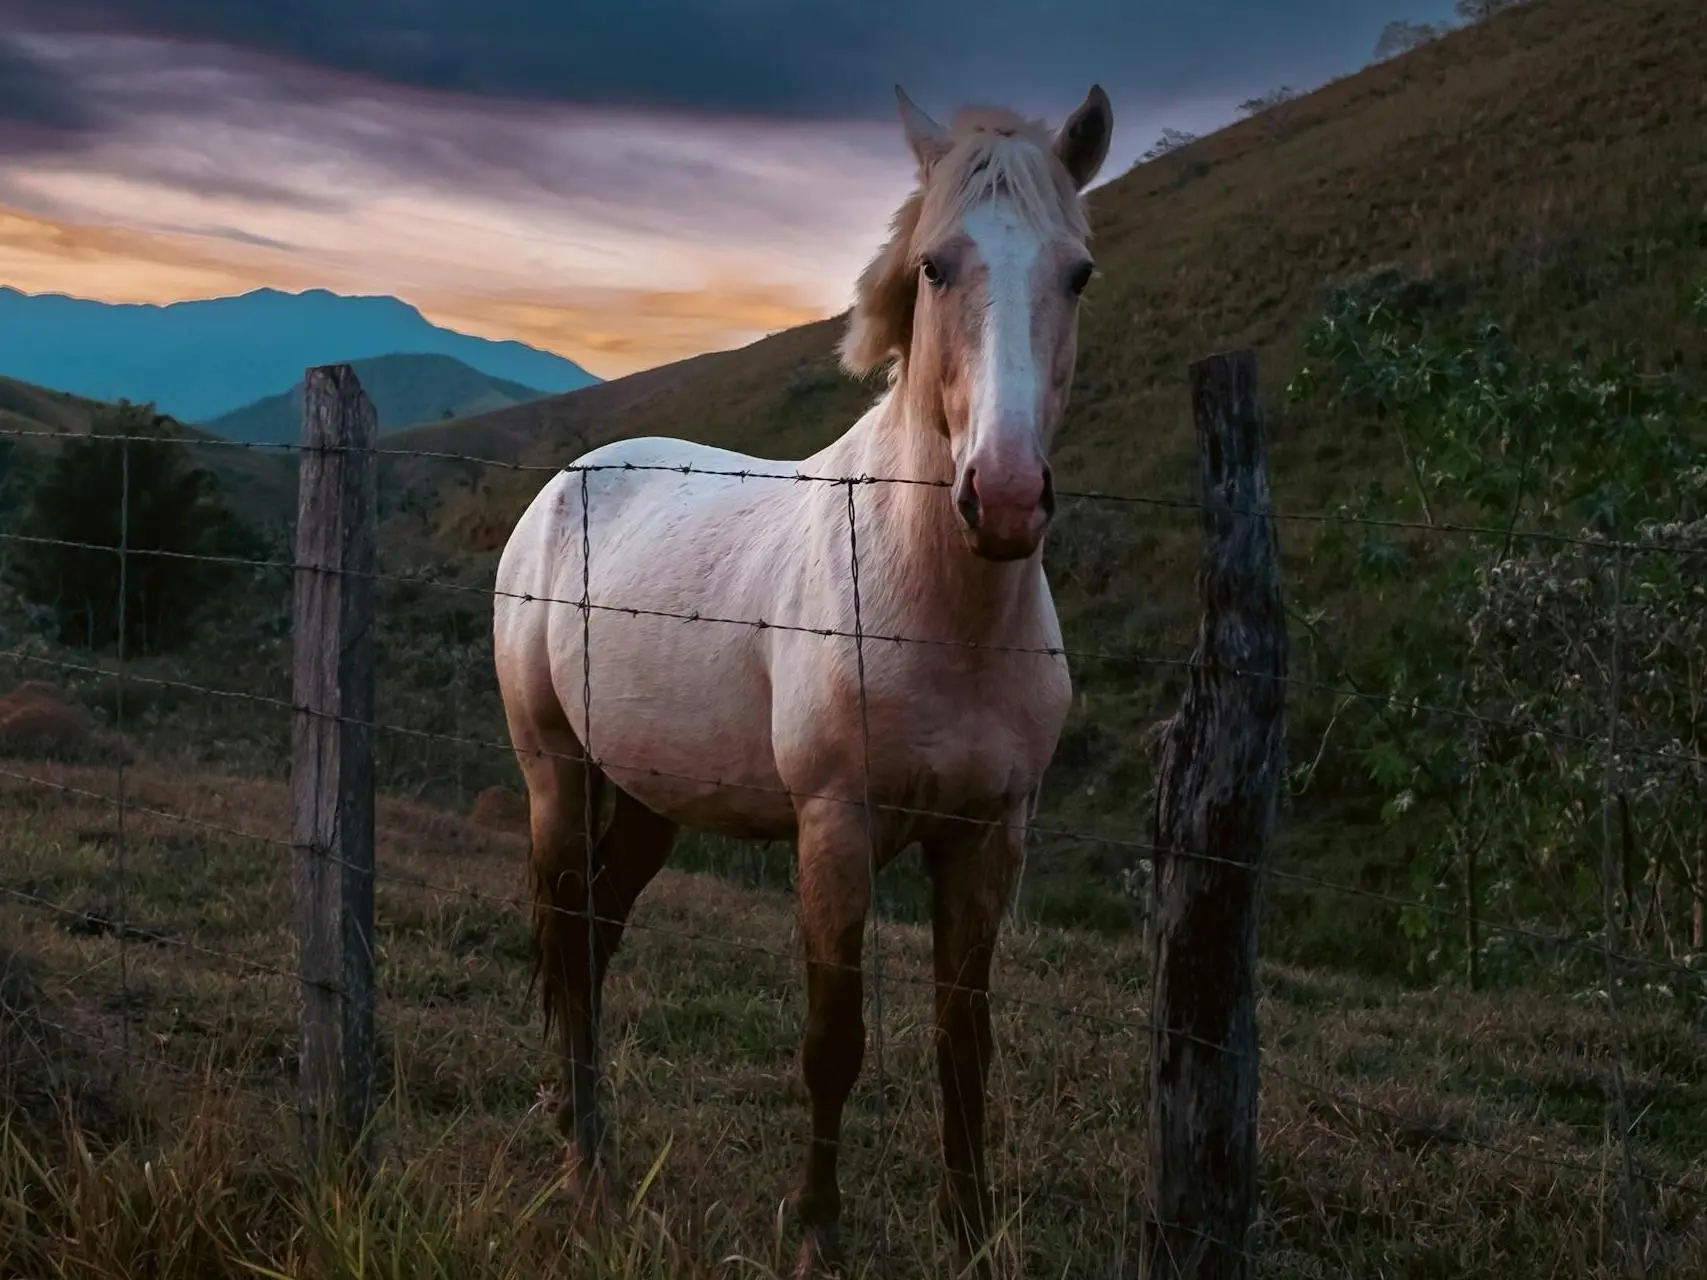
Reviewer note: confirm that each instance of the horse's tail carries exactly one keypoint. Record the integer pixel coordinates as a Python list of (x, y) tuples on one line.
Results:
[(561, 939)]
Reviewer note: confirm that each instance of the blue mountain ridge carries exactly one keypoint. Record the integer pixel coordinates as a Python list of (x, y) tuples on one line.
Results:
[(200, 359)]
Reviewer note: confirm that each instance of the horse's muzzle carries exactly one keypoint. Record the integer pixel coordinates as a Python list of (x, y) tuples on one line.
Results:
[(1004, 515)]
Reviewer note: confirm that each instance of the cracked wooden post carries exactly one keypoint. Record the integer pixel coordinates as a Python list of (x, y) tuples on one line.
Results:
[(1220, 761), (332, 771)]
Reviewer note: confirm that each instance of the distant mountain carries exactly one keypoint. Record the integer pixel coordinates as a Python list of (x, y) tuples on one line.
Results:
[(405, 389), (198, 360)]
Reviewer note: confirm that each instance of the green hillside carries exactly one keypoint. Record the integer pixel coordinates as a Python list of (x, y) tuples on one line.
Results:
[(1549, 164), (1545, 170), (405, 390), (261, 482)]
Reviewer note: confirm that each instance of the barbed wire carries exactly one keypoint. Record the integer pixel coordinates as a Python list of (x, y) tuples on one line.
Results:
[(1627, 546), (1611, 742), (1143, 1024), (1119, 839), (156, 937), (1397, 701)]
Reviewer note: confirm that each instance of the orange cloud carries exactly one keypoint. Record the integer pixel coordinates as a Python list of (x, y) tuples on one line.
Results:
[(631, 328), (122, 264), (611, 331)]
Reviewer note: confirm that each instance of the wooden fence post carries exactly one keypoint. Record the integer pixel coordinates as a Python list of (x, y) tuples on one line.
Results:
[(332, 774), (1220, 761)]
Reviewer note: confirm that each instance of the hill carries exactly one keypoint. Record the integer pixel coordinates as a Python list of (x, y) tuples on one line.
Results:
[(405, 390), (262, 484), (1547, 163), (198, 360), (1543, 170)]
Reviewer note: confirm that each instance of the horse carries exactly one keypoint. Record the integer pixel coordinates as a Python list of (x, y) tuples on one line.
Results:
[(698, 631)]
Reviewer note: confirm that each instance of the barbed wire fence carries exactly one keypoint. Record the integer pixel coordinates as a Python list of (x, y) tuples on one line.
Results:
[(1205, 843)]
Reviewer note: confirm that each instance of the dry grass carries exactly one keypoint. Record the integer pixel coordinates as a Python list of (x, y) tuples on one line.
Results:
[(159, 1001), (1547, 169)]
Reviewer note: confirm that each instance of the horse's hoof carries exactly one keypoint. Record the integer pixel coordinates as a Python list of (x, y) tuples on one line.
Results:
[(820, 1254)]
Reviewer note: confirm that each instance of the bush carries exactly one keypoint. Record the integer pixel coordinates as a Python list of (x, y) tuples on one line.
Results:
[(1540, 736), (132, 460)]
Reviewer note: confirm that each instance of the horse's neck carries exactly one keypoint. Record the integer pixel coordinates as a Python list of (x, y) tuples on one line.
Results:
[(915, 541)]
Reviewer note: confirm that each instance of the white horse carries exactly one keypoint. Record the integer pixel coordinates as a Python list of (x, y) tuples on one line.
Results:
[(856, 749)]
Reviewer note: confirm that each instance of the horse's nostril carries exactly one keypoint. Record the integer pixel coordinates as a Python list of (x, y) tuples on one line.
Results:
[(967, 502), (969, 510), (1048, 499)]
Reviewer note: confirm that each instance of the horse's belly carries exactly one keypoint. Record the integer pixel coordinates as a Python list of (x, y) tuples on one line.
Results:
[(680, 720)]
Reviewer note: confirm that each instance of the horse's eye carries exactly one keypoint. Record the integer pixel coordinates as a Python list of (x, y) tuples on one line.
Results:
[(1080, 277), (933, 273)]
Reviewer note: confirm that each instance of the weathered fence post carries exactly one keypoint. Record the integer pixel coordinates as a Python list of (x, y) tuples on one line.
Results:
[(332, 776), (1219, 765)]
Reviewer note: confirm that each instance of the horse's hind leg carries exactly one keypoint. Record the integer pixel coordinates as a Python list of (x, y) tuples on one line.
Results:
[(564, 794)]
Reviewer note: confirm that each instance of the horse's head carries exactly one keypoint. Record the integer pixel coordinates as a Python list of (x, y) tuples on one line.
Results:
[(976, 297)]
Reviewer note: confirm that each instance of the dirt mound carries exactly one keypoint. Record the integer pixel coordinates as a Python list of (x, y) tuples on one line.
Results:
[(36, 721), (500, 809)]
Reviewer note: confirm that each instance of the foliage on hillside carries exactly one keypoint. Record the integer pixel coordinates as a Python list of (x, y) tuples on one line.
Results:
[(128, 483), (1540, 739)]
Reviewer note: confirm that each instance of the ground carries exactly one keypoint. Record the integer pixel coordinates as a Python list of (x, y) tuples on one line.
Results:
[(1403, 1133), (1543, 170)]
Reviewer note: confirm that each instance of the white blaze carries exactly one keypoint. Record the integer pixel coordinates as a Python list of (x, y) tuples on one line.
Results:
[(1007, 384)]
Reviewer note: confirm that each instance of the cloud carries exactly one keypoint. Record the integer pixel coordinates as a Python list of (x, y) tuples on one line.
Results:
[(624, 183), (40, 110), (610, 329), (630, 328), (787, 59)]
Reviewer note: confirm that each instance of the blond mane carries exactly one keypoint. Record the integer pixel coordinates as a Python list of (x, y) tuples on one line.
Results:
[(992, 151)]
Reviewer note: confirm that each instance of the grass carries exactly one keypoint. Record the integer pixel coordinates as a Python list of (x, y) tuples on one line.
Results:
[(1544, 169), (149, 1126)]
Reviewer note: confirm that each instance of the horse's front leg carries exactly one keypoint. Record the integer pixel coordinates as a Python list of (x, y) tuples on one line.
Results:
[(973, 867), (835, 889)]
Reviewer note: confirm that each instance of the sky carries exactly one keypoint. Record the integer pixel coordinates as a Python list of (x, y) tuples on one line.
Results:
[(626, 182)]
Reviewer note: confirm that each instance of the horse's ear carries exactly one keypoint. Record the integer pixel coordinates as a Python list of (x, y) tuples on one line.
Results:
[(1082, 144), (928, 139)]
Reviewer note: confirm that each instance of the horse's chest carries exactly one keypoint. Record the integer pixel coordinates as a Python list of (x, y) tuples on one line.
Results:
[(952, 741)]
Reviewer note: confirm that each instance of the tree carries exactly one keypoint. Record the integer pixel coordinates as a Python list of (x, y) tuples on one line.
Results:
[(1273, 98), (1478, 10), (12, 489), (1170, 140), (11, 481), (176, 512), (1402, 36)]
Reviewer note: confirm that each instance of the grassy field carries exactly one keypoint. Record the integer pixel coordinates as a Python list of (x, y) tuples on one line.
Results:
[(1414, 1134), (1545, 170)]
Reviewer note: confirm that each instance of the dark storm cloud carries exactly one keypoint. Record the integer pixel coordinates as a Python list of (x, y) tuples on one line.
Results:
[(796, 59), (39, 108)]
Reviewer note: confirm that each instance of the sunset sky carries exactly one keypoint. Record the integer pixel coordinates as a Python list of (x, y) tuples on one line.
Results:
[(624, 183)]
